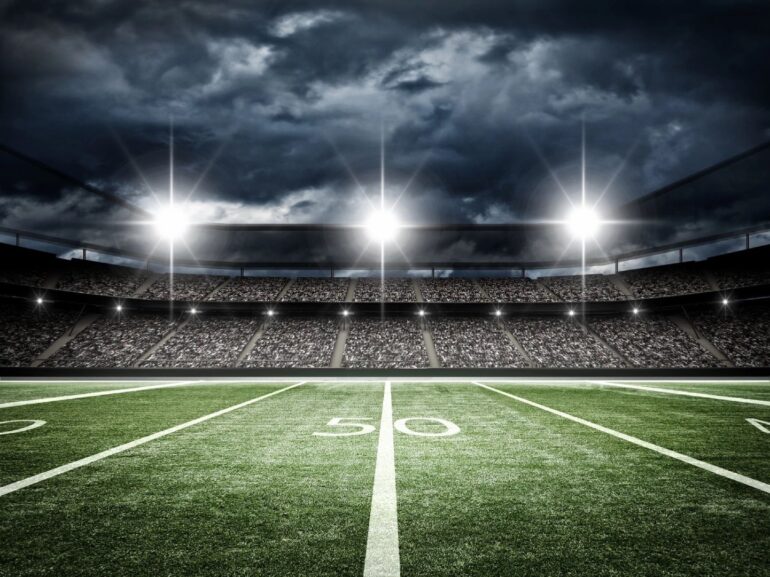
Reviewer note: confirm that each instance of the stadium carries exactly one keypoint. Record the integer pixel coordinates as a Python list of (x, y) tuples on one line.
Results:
[(272, 305)]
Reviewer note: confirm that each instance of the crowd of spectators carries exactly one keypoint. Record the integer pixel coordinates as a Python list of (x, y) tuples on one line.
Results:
[(320, 290), (667, 281), (743, 337), (385, 343), (473, 343), (393, 291), (589, 288), (553, 342), (249, 289), (295, 342), (27, 332), (730, 277), (33, 275), (187, 287), (205, 342), (114, 341), (450, 290), (652, 342), (515, 290), (119, 282)]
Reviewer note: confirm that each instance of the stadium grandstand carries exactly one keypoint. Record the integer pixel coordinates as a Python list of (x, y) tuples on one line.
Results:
[(72, 304)]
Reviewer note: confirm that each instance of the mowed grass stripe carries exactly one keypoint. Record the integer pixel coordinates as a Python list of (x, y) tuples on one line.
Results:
[(34, 479), (733, 476), (22, 390), (103, 393), (684, 393), (737, 388)]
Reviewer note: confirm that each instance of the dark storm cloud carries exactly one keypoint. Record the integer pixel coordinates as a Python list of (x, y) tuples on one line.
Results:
[(280, 104)]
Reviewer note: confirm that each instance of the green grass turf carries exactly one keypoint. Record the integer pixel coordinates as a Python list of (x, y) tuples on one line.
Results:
[(711, 430), (523, 492), (517, 492), (23, 391), (250, 493), (79, 428)]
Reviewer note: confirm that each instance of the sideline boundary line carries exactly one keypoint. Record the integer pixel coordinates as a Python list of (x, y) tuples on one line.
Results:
[(93, 394), (684, 393), (15, 486), (733, 476), (382, 555)]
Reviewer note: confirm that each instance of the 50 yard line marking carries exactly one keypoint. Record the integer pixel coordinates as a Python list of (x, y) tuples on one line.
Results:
[(748, 481), (12, 487), (382, 557)]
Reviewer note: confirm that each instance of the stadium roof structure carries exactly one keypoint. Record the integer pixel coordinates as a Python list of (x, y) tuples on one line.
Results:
[(725, 201)]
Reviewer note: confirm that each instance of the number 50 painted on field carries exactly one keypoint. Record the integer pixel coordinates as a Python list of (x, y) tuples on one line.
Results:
[(401, 426)]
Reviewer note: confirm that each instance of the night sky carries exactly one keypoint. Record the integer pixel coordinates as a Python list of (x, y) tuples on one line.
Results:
[(278, 107)]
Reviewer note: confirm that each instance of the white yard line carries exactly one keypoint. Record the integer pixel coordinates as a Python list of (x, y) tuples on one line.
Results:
[(684, 393), (12, 487), (748, 481), (94, 394), (382, 556)]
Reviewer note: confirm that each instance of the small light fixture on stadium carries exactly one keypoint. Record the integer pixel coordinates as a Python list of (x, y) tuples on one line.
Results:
[(345, 313), (635, 310), (171, 222), (498, 312), (270, 312), (39, 300), (193, 311), (583, 222), (571, 312), (725, 302), (421, 312), (119, 308), (382, 226)]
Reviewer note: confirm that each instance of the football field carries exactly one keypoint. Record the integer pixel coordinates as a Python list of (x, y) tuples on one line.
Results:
[(385, 478)]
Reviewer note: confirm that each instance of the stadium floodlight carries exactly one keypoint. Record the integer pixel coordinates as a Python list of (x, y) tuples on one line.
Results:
[(583, 222), (270, 312), (193, 311), (382, 226), (119, 308), (498, 312), (635, 310), (571, 312), (171, 222), (345, 313), (725, 302), (39, 300), (421, 312)]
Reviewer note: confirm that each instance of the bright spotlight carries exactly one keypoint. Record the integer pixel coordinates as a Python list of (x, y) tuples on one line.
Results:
[(345, 313), (119, 308), (498, 312), (171, 222), (421, 313), (571, 313), (382, 226), (635, 310), (193, 311), (39, 300), (270, 312), (583, 222), (725, 302)]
